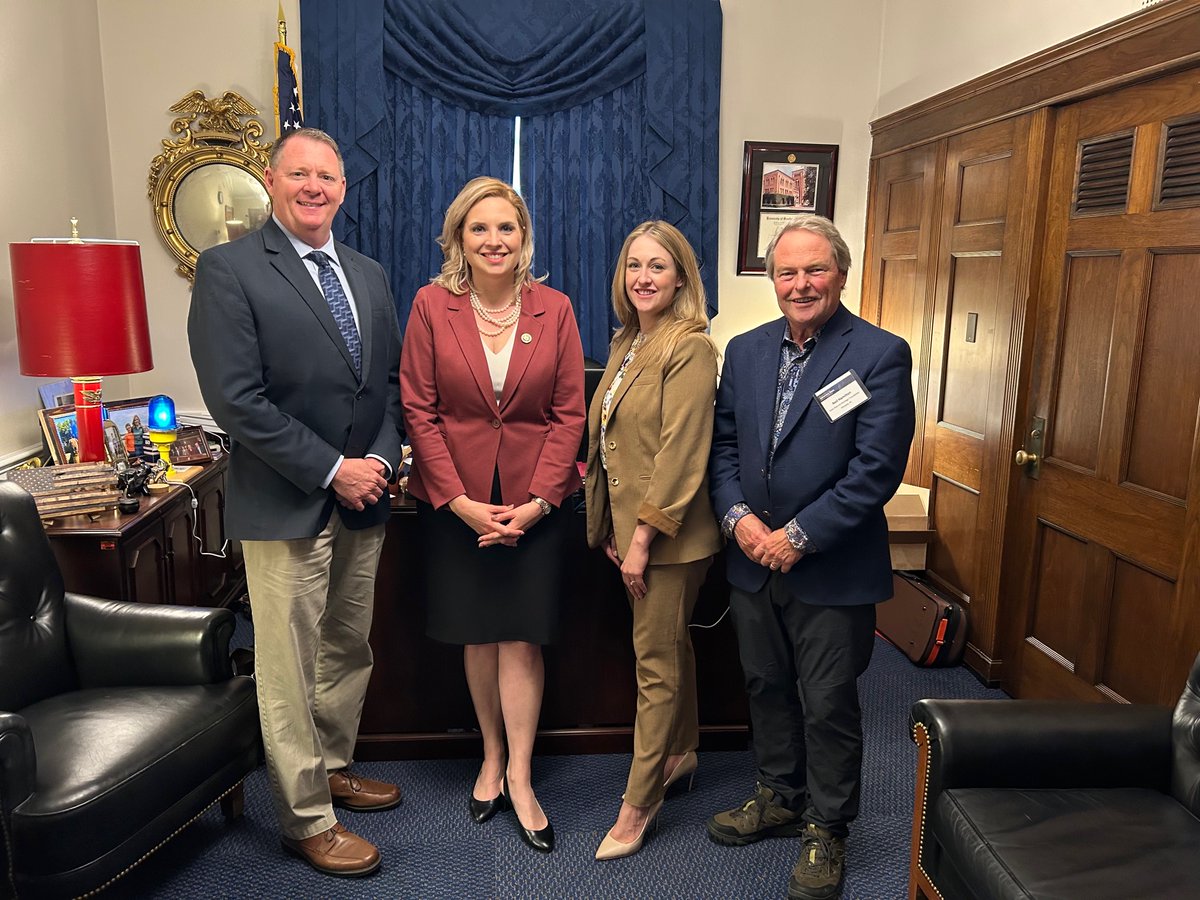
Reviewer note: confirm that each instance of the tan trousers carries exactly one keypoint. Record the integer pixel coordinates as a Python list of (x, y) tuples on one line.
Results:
[(311, 600), (667, 719)]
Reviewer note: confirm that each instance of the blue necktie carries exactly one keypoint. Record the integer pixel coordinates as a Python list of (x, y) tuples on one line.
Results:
[(339, 305)]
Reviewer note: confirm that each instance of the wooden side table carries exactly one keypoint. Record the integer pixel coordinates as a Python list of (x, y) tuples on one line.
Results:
[(152, 556)]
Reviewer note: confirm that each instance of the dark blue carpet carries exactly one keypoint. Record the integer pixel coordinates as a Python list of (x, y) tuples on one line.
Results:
[(432, 849)]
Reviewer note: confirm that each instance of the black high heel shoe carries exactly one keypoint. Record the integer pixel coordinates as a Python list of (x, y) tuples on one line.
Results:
[(482, 810), (541, 840)]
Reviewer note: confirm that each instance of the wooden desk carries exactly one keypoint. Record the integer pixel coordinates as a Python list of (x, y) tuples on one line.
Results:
[(418, 705), (151, 556)]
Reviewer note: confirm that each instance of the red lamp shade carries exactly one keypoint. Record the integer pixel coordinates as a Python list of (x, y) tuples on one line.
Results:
[(81, 312), (80, 309)]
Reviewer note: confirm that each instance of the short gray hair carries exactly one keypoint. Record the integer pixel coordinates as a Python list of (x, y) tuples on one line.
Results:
[(313, 134), (817, 225)]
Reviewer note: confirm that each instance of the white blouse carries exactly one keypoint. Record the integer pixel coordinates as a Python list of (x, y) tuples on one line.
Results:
[(498, 363)]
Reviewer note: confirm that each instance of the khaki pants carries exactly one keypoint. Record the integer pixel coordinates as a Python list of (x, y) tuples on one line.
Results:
[(311, 599), (667, 720)]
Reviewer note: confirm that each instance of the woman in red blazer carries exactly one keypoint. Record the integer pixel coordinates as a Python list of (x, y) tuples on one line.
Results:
[(491, 377)]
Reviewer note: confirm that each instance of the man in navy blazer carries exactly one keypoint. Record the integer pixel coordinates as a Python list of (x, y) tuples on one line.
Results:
[(297, 356), (814, 419)]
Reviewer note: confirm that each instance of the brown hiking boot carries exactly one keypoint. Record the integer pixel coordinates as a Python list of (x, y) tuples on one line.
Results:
[(759, 817), (818, 873)]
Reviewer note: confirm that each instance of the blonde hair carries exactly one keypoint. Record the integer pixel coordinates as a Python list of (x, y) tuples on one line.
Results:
[(688, 313), (456, 273)]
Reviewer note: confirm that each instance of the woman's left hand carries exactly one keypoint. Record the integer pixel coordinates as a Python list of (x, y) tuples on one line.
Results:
[(521, 517), (633, 569)]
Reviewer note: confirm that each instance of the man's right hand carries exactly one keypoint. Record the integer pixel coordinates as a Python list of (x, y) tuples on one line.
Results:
[(750, 532), (359, 483)]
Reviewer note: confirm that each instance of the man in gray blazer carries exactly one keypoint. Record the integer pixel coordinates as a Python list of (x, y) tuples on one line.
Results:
[(814, 417), (296, 347)]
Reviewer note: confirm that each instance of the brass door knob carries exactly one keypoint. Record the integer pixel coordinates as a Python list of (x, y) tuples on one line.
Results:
[(1022, 458)]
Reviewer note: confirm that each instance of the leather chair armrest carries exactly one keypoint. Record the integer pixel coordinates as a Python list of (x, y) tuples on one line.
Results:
[(18, 762), (1044, 744), (115, 643)]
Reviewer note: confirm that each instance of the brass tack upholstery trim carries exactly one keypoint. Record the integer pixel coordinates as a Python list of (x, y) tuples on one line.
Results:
[(919, 881), (158, 846)]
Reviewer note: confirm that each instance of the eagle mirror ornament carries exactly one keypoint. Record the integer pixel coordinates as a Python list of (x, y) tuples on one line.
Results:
[(209, 186)]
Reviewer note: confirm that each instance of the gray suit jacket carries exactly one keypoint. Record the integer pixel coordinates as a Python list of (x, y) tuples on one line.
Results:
[(277, 377)]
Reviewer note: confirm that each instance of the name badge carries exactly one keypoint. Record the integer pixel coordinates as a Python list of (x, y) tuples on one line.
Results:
[(844, 394)]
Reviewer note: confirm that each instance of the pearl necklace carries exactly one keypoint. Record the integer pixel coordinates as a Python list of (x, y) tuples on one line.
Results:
[(502, 323)]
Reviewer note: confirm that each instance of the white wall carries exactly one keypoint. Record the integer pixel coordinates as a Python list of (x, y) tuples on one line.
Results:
[(932, 45), (819, 89), (154, 52), (55, 156)]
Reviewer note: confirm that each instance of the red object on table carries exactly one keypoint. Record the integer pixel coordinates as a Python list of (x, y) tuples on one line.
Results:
[(81, 313)]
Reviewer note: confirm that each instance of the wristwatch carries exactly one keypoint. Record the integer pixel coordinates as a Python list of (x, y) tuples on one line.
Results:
[(543, 506)]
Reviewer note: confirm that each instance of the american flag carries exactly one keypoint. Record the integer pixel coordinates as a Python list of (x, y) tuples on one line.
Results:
[(288, 116)]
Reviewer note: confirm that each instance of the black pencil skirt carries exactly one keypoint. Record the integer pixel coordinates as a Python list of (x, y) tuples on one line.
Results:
[(483, 596)]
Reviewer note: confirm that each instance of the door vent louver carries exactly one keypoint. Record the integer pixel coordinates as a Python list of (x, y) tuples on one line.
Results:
[(1179, 180), (1102, 182)]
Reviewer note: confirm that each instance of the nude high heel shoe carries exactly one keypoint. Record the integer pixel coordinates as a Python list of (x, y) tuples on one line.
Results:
[(611, 848), (685, 768)]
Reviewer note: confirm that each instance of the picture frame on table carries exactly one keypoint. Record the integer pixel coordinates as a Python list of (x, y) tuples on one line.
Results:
[(131, 418), (779, 182), (61, 432), (190, 447), (57, 393)]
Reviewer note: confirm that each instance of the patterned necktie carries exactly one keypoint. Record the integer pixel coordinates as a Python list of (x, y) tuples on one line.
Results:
[(339, 305)]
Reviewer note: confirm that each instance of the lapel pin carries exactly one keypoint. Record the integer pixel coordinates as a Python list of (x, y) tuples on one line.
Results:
[(526, 337)]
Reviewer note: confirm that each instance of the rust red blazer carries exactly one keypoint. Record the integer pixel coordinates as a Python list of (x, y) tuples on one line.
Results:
[(459, 434)]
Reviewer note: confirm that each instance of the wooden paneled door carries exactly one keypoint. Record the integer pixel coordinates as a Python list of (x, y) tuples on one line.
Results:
[(987, 227), (954, 224), (1102, 558), (896, 283)]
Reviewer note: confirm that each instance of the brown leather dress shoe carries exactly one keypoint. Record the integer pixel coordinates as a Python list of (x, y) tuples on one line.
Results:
[(361, 794), (336, 852)]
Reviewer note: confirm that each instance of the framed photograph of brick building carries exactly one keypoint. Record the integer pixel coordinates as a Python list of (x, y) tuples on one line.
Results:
[(779, 182)]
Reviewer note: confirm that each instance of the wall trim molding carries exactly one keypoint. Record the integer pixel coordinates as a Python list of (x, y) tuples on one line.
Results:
[(1154, 41)]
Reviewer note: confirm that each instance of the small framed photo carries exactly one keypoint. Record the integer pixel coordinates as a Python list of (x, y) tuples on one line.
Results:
[(62, 433), (779, 182), (57, 393), (190, 447), (130, 418)]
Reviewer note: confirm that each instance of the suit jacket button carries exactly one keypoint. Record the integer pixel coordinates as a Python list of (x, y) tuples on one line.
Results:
[(614, 481), (612, 445), (495, 423), (765, 515)]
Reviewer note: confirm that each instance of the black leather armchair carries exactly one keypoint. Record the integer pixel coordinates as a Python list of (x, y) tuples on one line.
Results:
[(1057, 800), (119, 722)]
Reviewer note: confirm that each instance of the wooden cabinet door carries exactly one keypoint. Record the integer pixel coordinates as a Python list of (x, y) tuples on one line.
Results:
[(183, 560), (1102, 563), (896, 285), (147, 561)]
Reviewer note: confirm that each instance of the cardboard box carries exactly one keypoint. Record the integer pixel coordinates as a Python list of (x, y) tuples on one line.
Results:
[(908, 526)]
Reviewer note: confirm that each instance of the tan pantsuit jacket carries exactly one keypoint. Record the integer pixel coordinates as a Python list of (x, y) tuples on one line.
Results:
[(657, 442)]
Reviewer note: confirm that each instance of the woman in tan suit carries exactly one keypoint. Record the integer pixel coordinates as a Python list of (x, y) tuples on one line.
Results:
[(647, 501)]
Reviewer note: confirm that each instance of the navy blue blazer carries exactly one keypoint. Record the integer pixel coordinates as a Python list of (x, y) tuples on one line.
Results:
[(277, 377), (833, 477)]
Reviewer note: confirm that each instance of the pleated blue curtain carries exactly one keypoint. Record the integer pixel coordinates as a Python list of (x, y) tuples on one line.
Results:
[(587, 201), (619, 103)]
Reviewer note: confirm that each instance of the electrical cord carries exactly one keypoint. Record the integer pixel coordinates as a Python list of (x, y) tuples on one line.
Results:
[(220, 554)]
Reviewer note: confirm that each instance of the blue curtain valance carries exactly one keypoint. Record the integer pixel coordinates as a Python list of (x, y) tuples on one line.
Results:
[(519, 58)]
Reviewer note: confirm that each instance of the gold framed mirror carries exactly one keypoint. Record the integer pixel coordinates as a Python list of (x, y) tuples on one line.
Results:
[(209, 185)]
